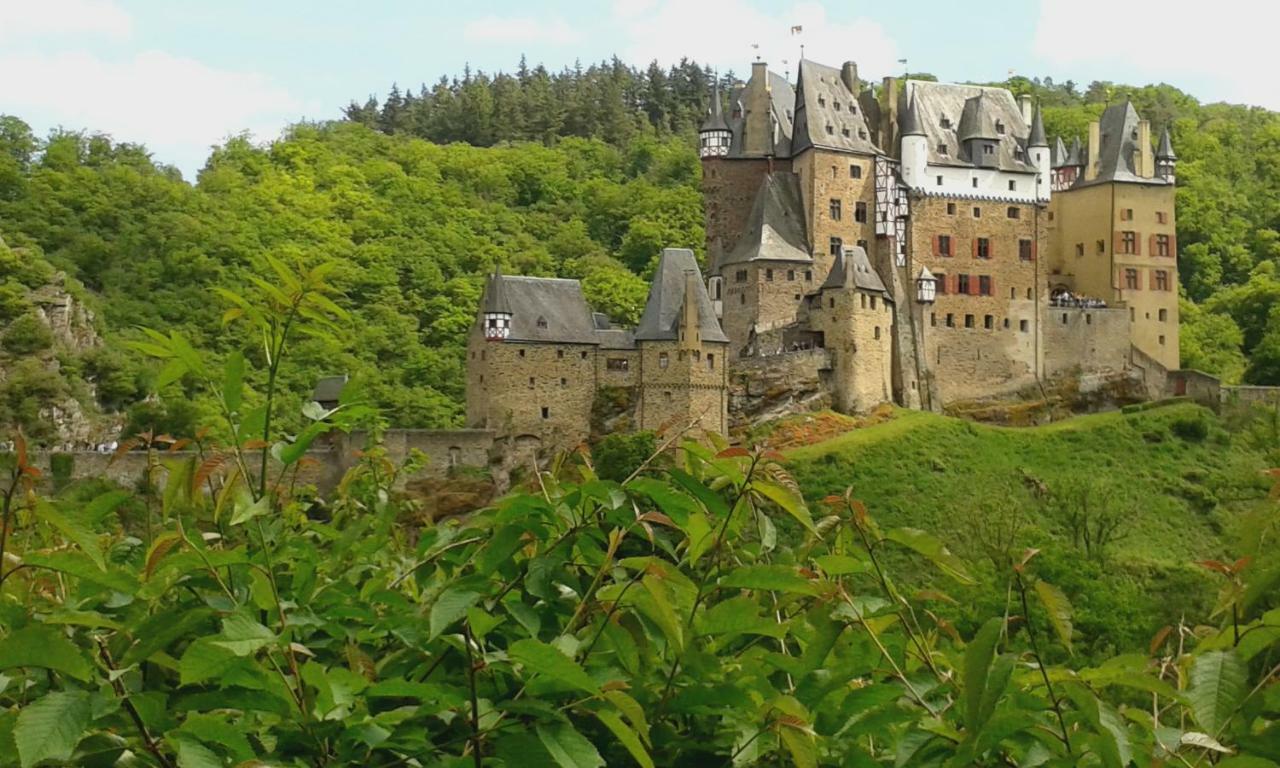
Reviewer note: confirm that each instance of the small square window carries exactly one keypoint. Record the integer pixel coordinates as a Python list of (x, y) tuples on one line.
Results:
[(1014, 211), (988, 322), (951, 320), (1013, 185), (975, 182), (1022, 325), (942, 149), (984, 248), (833, 209), (1079, 249), (546, 412), (968, 321), (855, 171), (860, 212), (977, 212), (1101, 246), (951, 209), (939, 181)]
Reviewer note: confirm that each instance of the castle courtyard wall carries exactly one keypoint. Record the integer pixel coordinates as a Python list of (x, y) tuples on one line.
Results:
[(1090, 341)]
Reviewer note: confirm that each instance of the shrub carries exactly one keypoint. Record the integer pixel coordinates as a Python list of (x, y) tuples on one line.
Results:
[(26, 336), (1193, 429), (618, 455)]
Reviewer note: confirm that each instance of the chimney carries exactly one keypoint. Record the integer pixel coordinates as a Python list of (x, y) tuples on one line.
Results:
[(757, 129), (1024, 106), (690, 335), (1144, 163), (1095, 150), (849, 75), (889, 114)]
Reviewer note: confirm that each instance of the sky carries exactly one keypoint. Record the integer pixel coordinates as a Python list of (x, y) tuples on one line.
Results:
[(181, 76)]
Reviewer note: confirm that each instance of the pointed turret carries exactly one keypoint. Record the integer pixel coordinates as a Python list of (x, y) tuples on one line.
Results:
[(1037, 137), (496, 308), (912, 125), (1166, 160), (1075, 158), (714, 137), (1059, 153)]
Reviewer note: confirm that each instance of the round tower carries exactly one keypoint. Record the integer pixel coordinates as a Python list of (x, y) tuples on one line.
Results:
[(915, 147), (497, 309), (714, 136)]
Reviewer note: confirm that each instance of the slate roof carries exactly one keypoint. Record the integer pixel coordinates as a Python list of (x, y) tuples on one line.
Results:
[(1076, 156), (715, 114), (1165, 150), (616, 338), (911, 124), (1037, 137), (776, 225), (667, 297), (827, 114), (853, 268), (972, 112), (782, 102), (495, 294), (1059, 154), (328, 388), (1118, 146), (559, 303)]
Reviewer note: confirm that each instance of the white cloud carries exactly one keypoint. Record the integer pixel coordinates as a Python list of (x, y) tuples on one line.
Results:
[(1229, 45), (177, 106), (26, 19), (519, 29), (721, 33)]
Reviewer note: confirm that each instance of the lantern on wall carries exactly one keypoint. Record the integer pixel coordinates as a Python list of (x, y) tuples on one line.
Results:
[(926, 286)]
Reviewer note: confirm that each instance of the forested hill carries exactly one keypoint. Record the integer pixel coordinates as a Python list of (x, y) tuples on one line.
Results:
[(584, 173)]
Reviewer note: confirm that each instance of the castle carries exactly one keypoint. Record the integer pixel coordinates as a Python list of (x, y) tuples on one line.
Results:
[(926, 240)]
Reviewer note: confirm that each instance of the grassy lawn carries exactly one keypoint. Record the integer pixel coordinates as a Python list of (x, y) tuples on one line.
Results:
[(1182, 490)]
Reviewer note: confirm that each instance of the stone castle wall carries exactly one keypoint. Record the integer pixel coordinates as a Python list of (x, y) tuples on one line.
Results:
[(728, 190), (827, 176), (1091, 341), (689, 386)]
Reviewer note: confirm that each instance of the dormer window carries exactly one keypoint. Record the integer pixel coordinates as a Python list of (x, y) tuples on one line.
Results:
[(830, 130), (988, 149), (822, 101), (836, 105), (862, 134), (1017, 152), (853, 109), (945, 122), (942, 149), (542, 322), (845, 131), (1000, 127)]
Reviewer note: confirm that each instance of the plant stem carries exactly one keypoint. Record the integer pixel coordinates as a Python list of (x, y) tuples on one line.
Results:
[(475, 705), (5, 520), (147, 740), (1044, 673)]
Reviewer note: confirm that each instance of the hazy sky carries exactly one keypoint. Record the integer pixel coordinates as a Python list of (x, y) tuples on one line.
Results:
[(180, 76)]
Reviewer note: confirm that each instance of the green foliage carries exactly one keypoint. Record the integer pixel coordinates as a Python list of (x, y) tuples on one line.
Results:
[(661, 621), (616, 456), (26, 336)]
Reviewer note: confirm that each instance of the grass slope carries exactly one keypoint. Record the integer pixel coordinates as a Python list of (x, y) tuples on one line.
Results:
[(1184, 499)]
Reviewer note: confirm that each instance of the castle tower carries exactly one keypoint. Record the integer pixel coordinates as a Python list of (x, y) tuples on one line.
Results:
[(1166, 160), (915, 147), (714, 137), (683, 374), (854, 314), (1039, 155)]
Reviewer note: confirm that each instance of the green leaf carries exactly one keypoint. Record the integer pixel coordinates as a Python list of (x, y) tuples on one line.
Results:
[(290, 453), (632, 710), (1059, 609), (841, 565), (569, 748), (204, 660), (930, 547), (74, 529), (777, 578), (103, 505), (193, 754), (977, 663), (233, 381), (626, 736), (51, 727), (790, 501), (673, 504), (83, 567), (700, 536), (1216, 687), (538, 657), (804, 753), (453, 602), (242, 635), (40, 646)]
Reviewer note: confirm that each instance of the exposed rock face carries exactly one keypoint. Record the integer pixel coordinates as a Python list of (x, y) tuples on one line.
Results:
[(765, 388), (72, 322)]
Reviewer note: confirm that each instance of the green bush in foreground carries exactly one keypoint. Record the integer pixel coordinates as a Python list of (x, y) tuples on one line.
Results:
[(662, 621)]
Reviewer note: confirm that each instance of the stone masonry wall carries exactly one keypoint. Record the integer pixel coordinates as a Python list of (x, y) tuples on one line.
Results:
[(827, 176), (1089, 341), (516, 388), (768, 296), (976, 345), (691, 385), (858, 332), (729, 188)]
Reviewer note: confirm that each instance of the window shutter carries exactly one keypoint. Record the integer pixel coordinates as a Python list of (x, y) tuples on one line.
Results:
[(1173, 245), (973, 285), (937, 248), (1151, 279), (1035, 249), (1117, 242), (975, 247), (991, 248), (1137, 244), (955, 284), (1151, 245), (991, 284)]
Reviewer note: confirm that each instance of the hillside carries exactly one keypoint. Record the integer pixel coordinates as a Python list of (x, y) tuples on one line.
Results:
[(584, 173), (1182, 483)]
